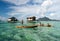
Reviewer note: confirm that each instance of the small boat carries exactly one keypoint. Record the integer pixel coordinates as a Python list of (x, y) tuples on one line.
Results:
[(26, 26)]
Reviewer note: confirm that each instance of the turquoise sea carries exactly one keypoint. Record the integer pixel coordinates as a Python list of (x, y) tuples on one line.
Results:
[(9, 32)]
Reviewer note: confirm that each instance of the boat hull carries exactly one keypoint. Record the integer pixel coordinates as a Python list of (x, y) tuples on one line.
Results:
[(26, 26)]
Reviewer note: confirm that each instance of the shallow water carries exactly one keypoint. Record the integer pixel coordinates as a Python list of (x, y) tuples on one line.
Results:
[(9, 32)]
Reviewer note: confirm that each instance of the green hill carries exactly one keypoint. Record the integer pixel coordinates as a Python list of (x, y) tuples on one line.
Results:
[(46, 19)]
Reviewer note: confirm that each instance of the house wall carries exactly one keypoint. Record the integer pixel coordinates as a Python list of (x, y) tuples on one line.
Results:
[(31, 18)]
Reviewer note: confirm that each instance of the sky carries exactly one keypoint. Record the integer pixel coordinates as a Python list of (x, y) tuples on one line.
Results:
[(21, 9)]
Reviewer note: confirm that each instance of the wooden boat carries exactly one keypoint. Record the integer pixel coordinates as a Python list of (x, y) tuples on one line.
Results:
[(34, 26), (26, 26)]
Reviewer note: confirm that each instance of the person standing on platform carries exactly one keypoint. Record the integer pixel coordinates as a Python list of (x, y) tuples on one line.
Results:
[(22, 22)]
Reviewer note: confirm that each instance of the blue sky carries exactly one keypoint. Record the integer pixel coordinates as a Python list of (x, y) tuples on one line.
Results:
[(25, 8)]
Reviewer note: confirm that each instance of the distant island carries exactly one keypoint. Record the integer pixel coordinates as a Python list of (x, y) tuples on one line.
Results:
[(46, 19)]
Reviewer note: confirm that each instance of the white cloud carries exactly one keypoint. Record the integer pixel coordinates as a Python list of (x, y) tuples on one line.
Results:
[(52, 14), (44, 7), (33, 9), (47, 3), (38, 1), (55, 10), (25, 10), (37, 10), (17, 2)]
